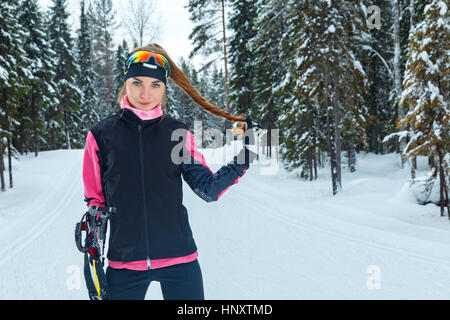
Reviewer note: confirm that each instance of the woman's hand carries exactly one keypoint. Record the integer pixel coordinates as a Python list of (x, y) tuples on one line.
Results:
[(253, 133)]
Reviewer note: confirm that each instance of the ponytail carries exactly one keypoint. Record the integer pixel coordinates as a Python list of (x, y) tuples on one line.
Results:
[(181, 80)]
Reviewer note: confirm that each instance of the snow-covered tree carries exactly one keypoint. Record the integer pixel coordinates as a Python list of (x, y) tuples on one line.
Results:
[(89, 102), (268, 69), (324, 69), (241, 56), (41, 93), (119, 67), (13, 81), (65, 128), (209, 36), (102, 23), (426, 91)]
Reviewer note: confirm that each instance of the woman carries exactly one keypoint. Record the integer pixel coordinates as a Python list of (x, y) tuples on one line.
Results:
[(132, 162)]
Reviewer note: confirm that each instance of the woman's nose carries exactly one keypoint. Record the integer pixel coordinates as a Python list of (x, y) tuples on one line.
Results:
[(145, 92)]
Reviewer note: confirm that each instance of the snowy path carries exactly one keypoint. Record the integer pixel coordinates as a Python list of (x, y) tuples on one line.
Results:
[(268, 237)]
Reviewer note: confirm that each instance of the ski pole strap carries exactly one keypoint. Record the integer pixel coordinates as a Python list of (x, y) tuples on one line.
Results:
[(107, 211), (94, 223)]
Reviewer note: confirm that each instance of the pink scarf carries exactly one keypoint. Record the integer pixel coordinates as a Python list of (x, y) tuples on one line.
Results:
[(144, 115)]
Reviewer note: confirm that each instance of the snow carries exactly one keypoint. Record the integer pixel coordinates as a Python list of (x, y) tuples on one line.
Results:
[(3, 74), (270, 236), (442, 8), (434, 91), (441, 5)]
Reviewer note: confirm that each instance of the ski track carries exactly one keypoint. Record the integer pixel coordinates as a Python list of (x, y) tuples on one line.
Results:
[(281, 274), (308, 227), (42, 223)]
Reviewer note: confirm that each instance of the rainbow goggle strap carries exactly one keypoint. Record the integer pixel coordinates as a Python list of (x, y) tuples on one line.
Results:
[(148, 59)]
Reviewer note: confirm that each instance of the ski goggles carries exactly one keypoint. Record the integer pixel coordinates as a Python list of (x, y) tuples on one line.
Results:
[(147, 63)]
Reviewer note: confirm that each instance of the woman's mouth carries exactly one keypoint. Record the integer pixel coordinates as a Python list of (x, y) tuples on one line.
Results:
[(144, 103)]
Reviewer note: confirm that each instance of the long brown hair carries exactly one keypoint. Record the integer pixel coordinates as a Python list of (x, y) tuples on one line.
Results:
[(181, 80)]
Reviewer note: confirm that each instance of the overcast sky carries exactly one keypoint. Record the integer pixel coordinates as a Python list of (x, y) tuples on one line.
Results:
[(174, 21)]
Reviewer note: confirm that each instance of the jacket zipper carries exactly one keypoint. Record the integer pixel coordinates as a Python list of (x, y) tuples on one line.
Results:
[(143, 193)]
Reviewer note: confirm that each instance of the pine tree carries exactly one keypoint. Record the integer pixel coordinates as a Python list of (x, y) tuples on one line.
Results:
[(182, 106), (300, 113), (208, 38), (382, 112), (426, 92), (323, 59), (119, 67), (241, 56), (40, 95), (102, 24), (86, 76), (173, 108), (269, 72), (13, 82), (213, 89), (65, 123)]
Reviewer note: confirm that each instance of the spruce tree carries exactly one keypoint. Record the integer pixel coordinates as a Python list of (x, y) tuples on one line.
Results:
[(40, 95), (65, 123), (241, 56), (209, 36), (324, 69), (213, 89), (89, 101), (13, 82), (269, 71), (102, 24), (119, 67), (376, 60), (426, 92)]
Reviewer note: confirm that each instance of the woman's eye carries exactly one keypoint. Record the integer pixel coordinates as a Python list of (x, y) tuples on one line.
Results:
[(137, 83), (155, 84)]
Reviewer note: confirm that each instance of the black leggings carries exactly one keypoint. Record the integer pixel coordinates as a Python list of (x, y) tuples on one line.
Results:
[(178, 282)]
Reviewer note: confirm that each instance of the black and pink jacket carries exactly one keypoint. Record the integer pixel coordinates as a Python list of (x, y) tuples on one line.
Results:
[(128, 165)]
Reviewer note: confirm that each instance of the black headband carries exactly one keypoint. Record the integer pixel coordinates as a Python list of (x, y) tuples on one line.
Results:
[(146, 70)]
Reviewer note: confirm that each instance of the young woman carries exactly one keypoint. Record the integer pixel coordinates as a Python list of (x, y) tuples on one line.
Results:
[(132, 162)]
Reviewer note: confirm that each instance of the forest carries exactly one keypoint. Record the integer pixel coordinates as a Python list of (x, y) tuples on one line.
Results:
[(336, 77)]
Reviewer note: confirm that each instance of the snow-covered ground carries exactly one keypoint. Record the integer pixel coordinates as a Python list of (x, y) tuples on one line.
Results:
[(268, 237)]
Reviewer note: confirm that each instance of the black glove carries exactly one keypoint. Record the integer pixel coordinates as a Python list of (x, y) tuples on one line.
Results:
[(253, 133)]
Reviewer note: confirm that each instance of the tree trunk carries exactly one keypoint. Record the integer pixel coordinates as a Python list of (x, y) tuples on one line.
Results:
[(315, 166), (397, 71), (10, 162), (330, 113), (34, 121), (312, 118), (337, 135), (431, 161), (411, 26), (443, 200), (227, 102), (8, 142), (2, 168), (413, 167), (108, 72), (330, 132)]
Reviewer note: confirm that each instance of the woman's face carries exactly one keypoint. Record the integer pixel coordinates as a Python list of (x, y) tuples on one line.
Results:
[(144, 93)]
